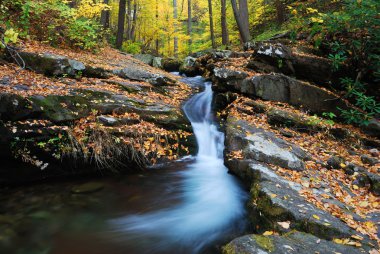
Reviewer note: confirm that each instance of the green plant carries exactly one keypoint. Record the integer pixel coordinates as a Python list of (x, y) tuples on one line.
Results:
[(337, 60), (131, 47)]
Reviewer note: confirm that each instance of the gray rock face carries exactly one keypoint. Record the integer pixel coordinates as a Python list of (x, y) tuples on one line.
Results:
[(157, 62), (263, 146), (294, 242), (14, 107), (56, 65), (108, 121), (278, 87), (171, 64), (145, 58), (227, 74), (136, 73), (190, 67)]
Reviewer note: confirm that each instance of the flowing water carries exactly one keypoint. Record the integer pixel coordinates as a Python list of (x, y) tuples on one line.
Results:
[(188, 206)]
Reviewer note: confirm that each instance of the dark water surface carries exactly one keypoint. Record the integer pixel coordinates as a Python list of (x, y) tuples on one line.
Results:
[(189, 206)]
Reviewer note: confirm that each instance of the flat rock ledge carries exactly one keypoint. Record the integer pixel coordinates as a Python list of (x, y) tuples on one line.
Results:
[(293, 242), (273, 199)]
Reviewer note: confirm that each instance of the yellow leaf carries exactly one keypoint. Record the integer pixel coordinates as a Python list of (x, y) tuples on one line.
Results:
[(355, 187), (357, 237), (266, 233), (338, 241), (273, 195), (316, 217)]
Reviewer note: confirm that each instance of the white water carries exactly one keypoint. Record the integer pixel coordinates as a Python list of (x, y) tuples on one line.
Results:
[(211, 204)]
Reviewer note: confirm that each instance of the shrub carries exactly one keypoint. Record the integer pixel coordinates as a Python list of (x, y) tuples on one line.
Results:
[(131, 47)]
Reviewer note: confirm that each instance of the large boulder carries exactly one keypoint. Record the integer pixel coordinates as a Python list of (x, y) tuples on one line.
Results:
[(303, 66), (52, 65), (14, 107), (281, 88), (134, 72), (373, 128), (145, 58), (56, 65), (294, 242), (157, 62), (263, 146), (227, 79)]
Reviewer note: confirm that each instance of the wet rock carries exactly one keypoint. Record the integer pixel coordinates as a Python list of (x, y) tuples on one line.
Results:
[(351, 168), (335, 162), (227, 79), (108, 120), (145, 58), (261, 67), (263, 146), (87, 188), (171, 64), (222, 100), (96, 72), (289, 119), (369, 160), (293, 242)]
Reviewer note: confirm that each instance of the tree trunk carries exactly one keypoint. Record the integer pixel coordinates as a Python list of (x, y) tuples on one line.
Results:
[(129, 19), (120, 24), (175, 15), (134, 22), (225, 35), (189, 23), (211, 24), (105, 17), (280, 9), (157, 38), (242, 19)]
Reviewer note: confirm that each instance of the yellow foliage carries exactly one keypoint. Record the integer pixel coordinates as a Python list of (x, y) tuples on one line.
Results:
[(91, 8)]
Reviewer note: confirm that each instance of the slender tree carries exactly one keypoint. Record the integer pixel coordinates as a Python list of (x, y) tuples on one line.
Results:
[(225, 35), (129, 19), (175, 15), (134, 21), (280, 9), (120, 24), (189, 23), (105, 17), (211, 24), (242, 19)]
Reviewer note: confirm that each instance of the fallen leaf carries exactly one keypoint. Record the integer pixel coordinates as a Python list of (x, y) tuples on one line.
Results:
[(284, 224)]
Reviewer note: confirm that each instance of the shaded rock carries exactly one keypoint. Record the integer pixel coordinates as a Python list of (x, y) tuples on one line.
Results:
[(14, 107), (351, 168), (227, 79), (130, 87), (257, 107), (278, 200), (96, 72), (171, 64), (190, 67), (374, 152), (87, 188), (361, 180), (335, 162), (369, 160), (261, 67), (222, 100), (278, 87), (136, 73), (289, 119), (373, 128), (375, 183), (58, 108), (263, 146), (145, 58), (294, 242)]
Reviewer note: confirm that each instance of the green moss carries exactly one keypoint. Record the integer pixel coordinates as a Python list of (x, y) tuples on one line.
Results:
[(269, 34), (264, 242), (228, 249)]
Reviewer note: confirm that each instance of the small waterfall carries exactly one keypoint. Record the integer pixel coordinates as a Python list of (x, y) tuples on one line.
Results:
[(212, 201)]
